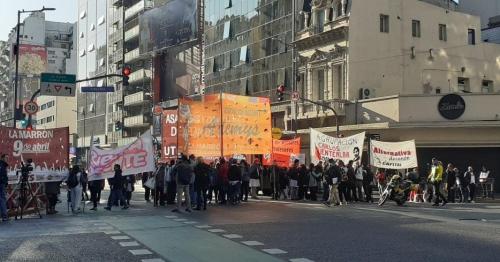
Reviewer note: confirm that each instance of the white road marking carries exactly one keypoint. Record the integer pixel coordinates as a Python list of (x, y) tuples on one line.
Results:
[(171, 217), (139, 252), (180, 219), (112, 232), (252, 243), (190, 222), (232, 236), (129, 244), (300, 260), (216, 230), (153, 260), (274, 251), (203, 226), (105, 228), (120, 237)]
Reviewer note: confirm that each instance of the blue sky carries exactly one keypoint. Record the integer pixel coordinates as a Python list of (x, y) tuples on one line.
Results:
[(66, 11)]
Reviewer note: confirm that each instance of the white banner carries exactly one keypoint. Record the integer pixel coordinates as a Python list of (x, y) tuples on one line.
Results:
[(393, 155), (134, 158), (324, 147)]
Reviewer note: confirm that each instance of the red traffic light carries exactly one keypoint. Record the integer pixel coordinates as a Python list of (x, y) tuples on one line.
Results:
[(126, 71), (29, 127)]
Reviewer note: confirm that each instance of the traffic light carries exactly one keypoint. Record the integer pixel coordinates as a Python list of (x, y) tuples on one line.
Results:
[(280, 92), (118, 126), (29, 127), (24, 122), (126, 71)]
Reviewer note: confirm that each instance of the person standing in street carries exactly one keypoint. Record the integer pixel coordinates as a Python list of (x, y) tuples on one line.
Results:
[(293, 174), (255, 174), (245, 180), (472, 184), (223, 181), (183, 174), (234, 176), (451, 178), (351, 182), (315, 174), (52, 190), (95, 187), (359, 173), (332, 176), (159, 197), (171, 184), (147, 190), (436, 179), (325, 181), (462, 183), (201, 183), (4, 181), (483, 180), (367, 183), (129, 187), (74, 183), (116, 183)]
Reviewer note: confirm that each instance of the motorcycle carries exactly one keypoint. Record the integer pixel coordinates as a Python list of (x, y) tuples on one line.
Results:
[(397, 189)]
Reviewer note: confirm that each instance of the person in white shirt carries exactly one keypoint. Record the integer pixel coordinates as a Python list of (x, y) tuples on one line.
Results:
[(483, 179)]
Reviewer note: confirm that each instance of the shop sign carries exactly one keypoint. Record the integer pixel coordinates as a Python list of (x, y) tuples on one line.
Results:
[(451, 106)]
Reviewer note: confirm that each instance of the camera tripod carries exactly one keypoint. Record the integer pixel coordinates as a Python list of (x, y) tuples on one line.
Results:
[(24, 189)]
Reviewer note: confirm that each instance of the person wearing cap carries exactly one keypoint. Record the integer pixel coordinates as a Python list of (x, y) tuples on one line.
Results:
[(255, 173)]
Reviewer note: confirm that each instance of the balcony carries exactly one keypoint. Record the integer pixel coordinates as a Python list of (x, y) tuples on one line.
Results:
[(140, 75), (115, 97), (136, 121), (135, 99), (116, 36), (138, 7), (132, 33), (330, 31), (115, 2), (116, 57), (132, 55)]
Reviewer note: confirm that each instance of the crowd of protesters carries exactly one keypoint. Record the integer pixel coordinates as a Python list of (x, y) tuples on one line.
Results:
[(191, 183)]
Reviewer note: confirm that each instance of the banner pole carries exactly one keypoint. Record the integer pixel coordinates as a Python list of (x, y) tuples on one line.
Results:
[(221, 126), (177, 125)]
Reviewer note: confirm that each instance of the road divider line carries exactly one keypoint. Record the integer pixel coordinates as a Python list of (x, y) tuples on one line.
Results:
[(274, 251), (140, 252)]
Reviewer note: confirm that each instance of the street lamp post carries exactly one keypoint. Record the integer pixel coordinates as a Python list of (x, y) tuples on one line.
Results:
[(18, 27)]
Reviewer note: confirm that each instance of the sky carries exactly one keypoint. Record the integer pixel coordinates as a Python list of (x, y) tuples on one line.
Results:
[(66, 11)]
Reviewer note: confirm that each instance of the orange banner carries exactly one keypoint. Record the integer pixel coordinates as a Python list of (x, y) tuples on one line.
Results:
[(246, 124), (283, 150), (199, 126)]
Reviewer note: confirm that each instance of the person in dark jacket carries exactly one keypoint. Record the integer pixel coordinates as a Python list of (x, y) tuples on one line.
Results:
[(293, 174), (255, 177), (128, 187), (95, 188), (367, 183), (4, 181), (451, 179), (283, 182), (303, 182), (52, 189), (171, 184), (222, 180), (201, 183), (147, 190), (116, 184), (234, 176), (245, 180), (159, 195), (351, 181)]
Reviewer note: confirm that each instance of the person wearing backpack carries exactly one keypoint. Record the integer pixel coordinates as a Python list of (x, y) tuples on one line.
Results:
[(74, 183), (183, 173), (117, 184)]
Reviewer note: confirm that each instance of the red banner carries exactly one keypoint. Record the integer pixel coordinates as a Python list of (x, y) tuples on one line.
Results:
[(48, 148), (169, 135), (283, 151)]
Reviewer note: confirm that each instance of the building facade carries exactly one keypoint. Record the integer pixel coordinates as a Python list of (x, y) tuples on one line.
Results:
[(5, 87)]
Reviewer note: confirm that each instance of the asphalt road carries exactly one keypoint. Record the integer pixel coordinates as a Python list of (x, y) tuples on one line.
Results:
[(259, 231)]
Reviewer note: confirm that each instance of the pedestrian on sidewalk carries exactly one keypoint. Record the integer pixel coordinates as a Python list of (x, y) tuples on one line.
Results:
[(183, 173), (436, 179), (74, 183), (116, 184), (95, 187), (201, 183), (255, 175), (315, 174), (451, 178), (472, 184), (245, 180), (4, 181)]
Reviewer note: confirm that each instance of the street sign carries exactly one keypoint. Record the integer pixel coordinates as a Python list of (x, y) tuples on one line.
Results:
[(31, 107), (97, 89), (276, 133), (295, 96), (57, 85)]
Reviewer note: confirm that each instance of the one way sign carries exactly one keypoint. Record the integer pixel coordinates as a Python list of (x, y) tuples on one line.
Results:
[(57, 85)]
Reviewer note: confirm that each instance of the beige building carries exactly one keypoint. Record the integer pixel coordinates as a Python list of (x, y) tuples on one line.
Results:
[(385, 66)]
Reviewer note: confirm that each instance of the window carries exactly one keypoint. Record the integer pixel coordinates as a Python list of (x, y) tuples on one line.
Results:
[(51, 61), (463, 84), (244, 55), (384, 23), (442, 33), (227, 30), (319, 87), (51, 52), (472, 37), (487, 86), (50, 119), (415, 28), (44, 106)]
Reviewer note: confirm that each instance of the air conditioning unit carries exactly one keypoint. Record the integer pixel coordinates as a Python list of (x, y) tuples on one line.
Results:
[(366, 93)]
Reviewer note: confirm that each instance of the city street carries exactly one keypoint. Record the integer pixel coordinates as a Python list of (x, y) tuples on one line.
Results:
[(260, 230)]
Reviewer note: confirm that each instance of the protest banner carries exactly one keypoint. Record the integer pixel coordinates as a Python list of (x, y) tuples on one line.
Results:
[(135, 158), (324, 147), (169, 135), (393, 155), (48, 149), (283, 150), (246, 124), (199, 126)]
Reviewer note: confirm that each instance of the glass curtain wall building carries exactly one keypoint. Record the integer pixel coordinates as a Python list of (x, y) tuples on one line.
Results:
[(247, 46)]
